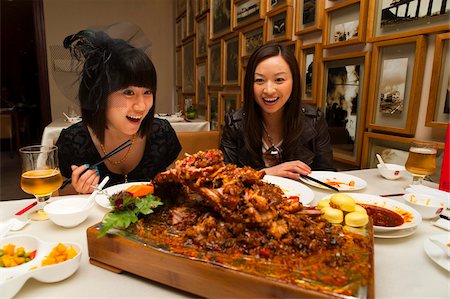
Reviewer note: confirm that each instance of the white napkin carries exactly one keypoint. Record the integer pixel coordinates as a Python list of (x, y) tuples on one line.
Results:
[(11, 224), (421, 189)]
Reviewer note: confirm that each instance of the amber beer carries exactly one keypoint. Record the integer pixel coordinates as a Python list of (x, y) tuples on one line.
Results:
[(41, 182), (421, 160)]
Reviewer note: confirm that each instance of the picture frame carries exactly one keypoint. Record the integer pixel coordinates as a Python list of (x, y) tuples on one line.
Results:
[(201, 86), (215, 64), (438, 112), (279, 25), (310, 63), (213, 110), (229, 103), (246, 12), (294, 47), (220, 18), (188, 68), (309, 16), (250, 38), (179, 66), (190, 17), (276, 5), (180, 7), (231, 61), (343, 101), (393, 149), (344, 24), (394, 107), (201, 38), (386, 26)]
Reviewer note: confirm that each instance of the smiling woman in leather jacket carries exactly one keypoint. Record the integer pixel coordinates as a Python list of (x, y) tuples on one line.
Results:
[(273, 130)]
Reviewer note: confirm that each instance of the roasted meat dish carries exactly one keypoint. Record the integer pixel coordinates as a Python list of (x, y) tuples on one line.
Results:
[(222, 213)]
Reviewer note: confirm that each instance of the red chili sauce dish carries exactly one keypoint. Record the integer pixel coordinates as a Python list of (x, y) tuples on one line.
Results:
[(385, 217)]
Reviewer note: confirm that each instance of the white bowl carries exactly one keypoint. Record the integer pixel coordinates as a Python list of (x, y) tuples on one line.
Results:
[(68, 211), (391, 171), (427, 205), (13, 278)]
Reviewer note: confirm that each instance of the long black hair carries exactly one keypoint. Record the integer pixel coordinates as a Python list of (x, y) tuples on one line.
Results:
[(109, 65), (292, 116)]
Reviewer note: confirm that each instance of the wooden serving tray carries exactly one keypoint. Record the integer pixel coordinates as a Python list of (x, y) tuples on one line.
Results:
[(117, 253)]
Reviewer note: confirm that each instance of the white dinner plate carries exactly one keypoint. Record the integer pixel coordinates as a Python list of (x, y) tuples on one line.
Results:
[(394, 234), (103, 198), (390, 204), (436, 253), (292, 188), (332, 176)]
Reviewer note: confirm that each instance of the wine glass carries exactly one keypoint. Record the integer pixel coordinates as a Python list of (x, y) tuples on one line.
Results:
[(40, 175), (421, 160)]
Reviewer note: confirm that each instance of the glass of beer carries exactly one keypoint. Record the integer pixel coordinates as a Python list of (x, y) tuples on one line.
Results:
[(421, 160), (40, 175)]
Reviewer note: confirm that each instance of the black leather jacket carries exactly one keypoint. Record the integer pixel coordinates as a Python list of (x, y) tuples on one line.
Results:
[(314, 147)]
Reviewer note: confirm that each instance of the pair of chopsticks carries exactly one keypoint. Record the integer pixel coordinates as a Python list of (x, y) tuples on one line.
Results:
[(107, 156), (307, 177)]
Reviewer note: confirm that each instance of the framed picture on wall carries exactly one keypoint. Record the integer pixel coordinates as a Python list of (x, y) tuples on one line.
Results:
[(438, 113), (198, 7), (343, 101), (179, 62), (274, 5), (231, 61), (229, 103), (220, 17), (394, 19), (201, 83), (310, 63), (215, 64), (180, 7), (397, 73), (279, 25), (190, 17), (202, 37), (213, 110), (188, 67), (251, 38), (246, 12), (344, 24), (294, 47), (309, 16)]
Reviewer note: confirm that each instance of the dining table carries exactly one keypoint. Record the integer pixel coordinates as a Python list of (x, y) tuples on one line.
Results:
[(53, 130), (402, 267)]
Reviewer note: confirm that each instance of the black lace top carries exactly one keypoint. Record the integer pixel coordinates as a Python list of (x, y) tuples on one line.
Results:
[(75, 147)]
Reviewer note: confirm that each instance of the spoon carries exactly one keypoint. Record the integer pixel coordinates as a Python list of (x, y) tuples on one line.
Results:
[(93, 194), (68, 118), (381, 161), (12, 224), (443, 245)]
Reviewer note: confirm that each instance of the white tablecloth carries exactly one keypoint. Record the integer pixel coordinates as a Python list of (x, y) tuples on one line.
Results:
[(402, 268), (52, 131)]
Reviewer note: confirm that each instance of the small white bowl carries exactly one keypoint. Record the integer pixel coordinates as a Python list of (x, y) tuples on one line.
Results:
[(427, 205), (68, 211), (391, 171)]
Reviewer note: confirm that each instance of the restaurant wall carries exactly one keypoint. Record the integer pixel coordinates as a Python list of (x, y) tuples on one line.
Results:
[(153, 17)]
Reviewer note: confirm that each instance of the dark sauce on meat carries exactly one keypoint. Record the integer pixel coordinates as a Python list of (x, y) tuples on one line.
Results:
[(382, 216)]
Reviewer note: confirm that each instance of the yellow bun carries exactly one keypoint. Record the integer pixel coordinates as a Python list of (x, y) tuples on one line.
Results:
[(345, 202), (323, 203), (360, 209), (333, 215), (356, 219)]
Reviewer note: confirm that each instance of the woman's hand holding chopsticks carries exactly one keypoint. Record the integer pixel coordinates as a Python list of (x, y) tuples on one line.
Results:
[(83, 178)]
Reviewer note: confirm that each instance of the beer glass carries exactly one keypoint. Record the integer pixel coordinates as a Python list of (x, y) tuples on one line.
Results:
[(421, 160), (40, 175)]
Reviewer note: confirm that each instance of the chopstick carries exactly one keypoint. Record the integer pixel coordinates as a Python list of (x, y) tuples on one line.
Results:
[(319, 182), (392, 195), (26, 208), (110, 154)]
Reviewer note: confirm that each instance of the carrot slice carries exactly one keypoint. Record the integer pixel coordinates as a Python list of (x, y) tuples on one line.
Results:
[(140, 190)]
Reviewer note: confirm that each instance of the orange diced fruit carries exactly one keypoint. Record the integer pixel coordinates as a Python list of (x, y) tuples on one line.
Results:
[(140, 190)]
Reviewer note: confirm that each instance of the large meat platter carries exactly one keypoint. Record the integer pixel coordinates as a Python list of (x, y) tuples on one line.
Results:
[(216, 254)]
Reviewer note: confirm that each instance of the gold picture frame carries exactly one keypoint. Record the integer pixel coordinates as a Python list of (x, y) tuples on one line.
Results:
[(309, 16), (201, 87), (278, 26), (188, 56), (391, 29), (344, 24), (220, 18), (190, 18), (276, 5), (310, 63), (345, 82), (250, 38), (215, 64), (438, 112), (246, 12), (201, 38), (180, 7), (231, 61), (397, 73)]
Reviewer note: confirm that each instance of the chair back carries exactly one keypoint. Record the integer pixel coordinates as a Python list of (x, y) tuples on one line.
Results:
[(192, 142)]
